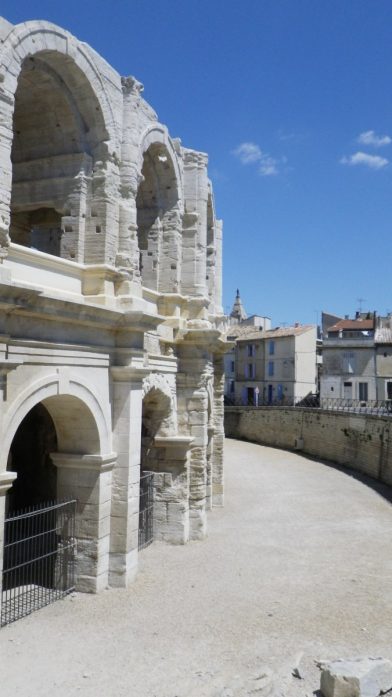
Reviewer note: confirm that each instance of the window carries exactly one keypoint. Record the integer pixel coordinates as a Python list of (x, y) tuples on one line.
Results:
[(232, 367), (270, 368), (271, 348), (250, 371), (389, 390), (348, 362), (251, 350), (363, 391), (231, 386)]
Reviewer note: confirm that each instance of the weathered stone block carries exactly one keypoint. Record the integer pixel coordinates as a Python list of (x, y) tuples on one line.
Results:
[(356, 677)]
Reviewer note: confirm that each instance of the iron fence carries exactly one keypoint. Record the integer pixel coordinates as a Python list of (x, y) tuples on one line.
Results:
[(314, 401), (39, 558), (146, 510)]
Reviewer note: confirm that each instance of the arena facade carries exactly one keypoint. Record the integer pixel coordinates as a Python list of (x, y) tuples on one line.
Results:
[(110, 305)]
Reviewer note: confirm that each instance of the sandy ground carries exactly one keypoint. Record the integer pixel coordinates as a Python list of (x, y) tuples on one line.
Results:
[(296, 567)]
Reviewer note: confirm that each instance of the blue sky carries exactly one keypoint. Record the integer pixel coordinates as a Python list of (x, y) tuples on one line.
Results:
[(292, 101)]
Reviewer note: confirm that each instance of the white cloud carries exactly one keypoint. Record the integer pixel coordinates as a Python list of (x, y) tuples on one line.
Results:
[(362, 158), (371, 138), (268, 166), (250, 153)]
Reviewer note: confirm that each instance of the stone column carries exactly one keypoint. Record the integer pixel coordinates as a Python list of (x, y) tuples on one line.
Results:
[(170, 261), (102, 226), (127, 258), (6, 481), (218, 268), (210, 467), (73, 239), (194, 259), (6, 136), (195, 369), (127, 419), (219, 434), (171, 489), (88, 479)]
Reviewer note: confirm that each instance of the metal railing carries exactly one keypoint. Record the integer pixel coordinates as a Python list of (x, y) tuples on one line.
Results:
[(39, 558), (146, 510), (313, 401)]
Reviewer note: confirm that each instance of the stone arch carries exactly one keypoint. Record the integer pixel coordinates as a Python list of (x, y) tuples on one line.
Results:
[(158, 415), (83, 462), (34, 37), (159, 206), (69, 410), (78, 144)]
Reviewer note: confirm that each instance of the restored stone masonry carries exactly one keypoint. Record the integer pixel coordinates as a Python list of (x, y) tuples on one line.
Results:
[(110, 302)]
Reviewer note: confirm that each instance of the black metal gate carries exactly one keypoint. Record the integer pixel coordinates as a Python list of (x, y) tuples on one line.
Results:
[(39, 558), (146, 509)]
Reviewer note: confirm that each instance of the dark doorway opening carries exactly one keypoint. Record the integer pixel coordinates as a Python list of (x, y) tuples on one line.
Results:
[(29, 457)]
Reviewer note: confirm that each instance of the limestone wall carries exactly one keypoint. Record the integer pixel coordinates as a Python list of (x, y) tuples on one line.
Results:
[(362, 442)]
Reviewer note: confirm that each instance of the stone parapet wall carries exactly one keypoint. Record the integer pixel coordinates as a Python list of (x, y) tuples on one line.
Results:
[(360, 441)]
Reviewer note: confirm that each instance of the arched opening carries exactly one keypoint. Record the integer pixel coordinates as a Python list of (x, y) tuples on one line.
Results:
[(58, 134), (159, 222), (65, 483), (29, 457), (156, 420)]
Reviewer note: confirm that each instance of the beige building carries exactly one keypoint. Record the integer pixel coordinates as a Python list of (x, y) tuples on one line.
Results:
[(277, 365), (357, 359), (349, 369), (383, 349), (110, 284)]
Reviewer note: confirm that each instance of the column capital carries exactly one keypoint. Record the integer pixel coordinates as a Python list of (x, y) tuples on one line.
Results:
[(98, 463)]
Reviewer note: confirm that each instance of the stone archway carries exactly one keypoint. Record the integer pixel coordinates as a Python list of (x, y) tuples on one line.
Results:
[(59, 127), (165, 454), (159, 215), (84, 468)]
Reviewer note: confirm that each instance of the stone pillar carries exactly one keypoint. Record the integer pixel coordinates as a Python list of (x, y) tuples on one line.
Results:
[(128, 250), (194, 256), (194, 371), (171, 489), (127, 419), (102, 226), (6, 136), (73, 239), (219, 434), (88, 479), (170, 261), (6, 481), (218, 268), (210, 467)]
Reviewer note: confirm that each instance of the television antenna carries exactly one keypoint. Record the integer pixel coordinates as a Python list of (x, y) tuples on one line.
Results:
[(360, 301)]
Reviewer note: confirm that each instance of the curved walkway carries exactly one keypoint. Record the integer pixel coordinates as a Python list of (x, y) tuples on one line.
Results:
[(298, 562)]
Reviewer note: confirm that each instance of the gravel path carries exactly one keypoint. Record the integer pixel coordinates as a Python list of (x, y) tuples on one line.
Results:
[(297, 566)]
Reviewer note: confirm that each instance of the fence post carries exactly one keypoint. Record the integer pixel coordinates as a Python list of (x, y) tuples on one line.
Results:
[(6, 481)]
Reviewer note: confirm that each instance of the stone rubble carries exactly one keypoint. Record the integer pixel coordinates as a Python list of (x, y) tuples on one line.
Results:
[(356, 677)]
